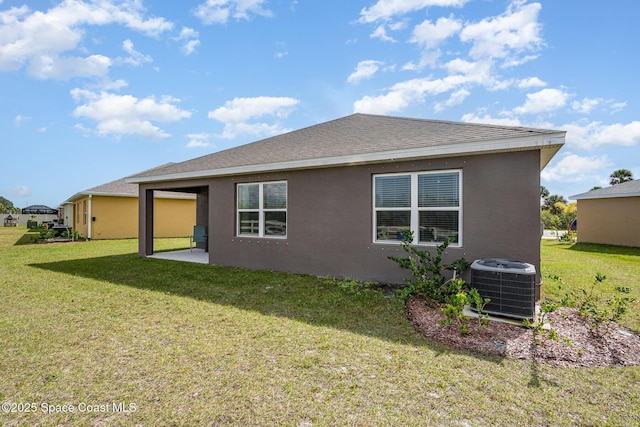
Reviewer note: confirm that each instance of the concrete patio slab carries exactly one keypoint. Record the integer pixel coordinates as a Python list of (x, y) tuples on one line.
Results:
[(196, 255)]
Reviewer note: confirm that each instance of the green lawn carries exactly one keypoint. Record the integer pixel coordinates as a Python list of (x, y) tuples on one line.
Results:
[(89, 324), (577, 264)]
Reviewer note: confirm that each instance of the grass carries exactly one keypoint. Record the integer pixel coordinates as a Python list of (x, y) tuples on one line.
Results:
[(90, 323), (577, 264)]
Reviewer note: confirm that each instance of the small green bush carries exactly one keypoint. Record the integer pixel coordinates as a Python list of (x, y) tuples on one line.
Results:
[(601, 313), (428, 270), (429, 280)]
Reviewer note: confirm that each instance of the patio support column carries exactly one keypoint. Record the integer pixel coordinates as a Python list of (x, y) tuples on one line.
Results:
[(202, 213), (145, 222)]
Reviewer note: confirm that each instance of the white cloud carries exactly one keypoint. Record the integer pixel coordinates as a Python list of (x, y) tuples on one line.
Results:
[(517, 61), (586, 105), (190, 39), (594, 134), (575, 168), (427, 58), (65, 68), (199, 140), (506, 40), (44, 41), (364, 70), (20, 119), (241, 109), (456, 98), (219, 11), (515, 31), (531, 82), (478, 71), (238, 114), (127, 115), (430, 35), (545, 100), (487, 119), (617, 106), (381, 33), (403, 94), (135, 58), (386, 9), (20, 191)]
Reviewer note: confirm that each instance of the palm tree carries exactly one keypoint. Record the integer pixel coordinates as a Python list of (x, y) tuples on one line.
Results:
[(550, 201), (544, 193), (620, 176)]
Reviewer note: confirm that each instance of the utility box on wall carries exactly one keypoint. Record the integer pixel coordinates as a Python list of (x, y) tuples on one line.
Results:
[(509, 284)]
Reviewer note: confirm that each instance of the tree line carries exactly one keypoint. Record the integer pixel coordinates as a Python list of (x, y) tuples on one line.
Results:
[(6, 206)]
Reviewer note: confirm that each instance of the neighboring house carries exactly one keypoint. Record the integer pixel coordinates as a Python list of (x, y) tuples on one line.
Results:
[(334, 198), (110, 211), (610, 215), (39, 210), (37, 214)]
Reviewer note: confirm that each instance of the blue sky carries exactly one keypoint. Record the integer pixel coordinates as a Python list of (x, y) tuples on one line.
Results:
[(92, 91)]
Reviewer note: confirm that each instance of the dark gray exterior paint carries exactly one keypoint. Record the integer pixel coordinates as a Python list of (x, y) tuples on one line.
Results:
[(329, 217)]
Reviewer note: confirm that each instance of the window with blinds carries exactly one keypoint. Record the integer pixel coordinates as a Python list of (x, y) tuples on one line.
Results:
[(427, 203), (262, 209)]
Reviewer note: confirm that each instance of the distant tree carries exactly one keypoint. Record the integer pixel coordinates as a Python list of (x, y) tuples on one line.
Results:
[(620, 176), (569, 214), (597, 187), (544, 192), (560, 216), (550, 202), (551, 221), (6, 206)]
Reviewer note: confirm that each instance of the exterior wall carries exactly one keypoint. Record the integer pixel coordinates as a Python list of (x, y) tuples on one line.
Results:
[(81, 216), (117, 217), (113, 217), (67, 214), (611, 221), (330, 217), (173, 217)]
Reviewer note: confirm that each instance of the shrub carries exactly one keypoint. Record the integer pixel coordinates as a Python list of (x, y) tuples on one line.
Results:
[(427, 270), (429, 281), (601, 313)]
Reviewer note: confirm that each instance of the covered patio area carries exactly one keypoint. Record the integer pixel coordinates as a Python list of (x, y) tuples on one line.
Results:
[(197, 255), (147, 218)]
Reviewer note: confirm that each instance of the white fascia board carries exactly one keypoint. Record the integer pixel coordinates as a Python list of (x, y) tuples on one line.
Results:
[(554, 141), (586, 196), (106, 194), (75, 197), (97, 193)]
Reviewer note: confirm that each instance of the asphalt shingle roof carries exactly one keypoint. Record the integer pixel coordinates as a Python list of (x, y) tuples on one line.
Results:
[(626, 189), (122, 188), (357, 134)]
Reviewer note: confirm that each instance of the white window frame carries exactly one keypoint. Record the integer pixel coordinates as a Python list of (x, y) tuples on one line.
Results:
[(415, 210), (261, 210)]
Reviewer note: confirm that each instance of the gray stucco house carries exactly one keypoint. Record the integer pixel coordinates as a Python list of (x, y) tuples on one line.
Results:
[(333, 198)]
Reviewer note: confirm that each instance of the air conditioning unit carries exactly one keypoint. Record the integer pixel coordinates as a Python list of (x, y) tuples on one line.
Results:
[(509, 284)]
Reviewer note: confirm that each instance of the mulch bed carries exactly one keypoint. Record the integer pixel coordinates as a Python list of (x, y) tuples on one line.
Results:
[(577, 344)]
